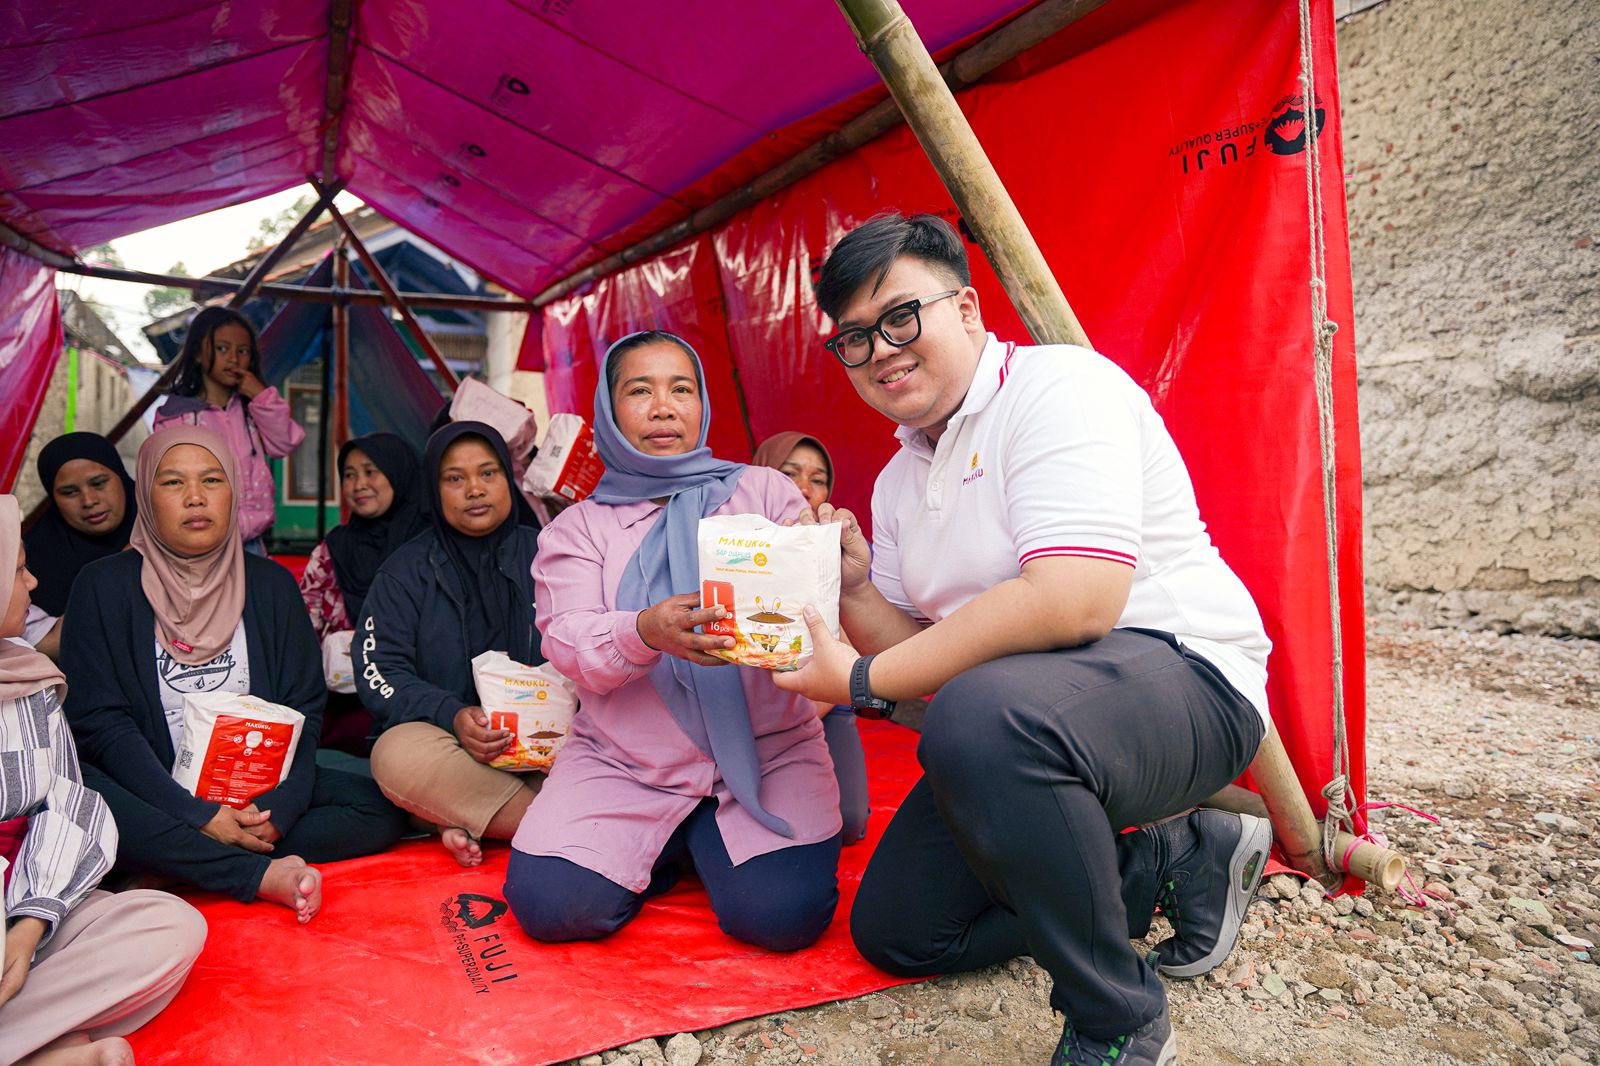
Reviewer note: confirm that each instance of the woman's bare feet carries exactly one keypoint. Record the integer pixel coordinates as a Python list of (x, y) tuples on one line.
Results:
[(291, 882), (461, 846), (76, 1049)]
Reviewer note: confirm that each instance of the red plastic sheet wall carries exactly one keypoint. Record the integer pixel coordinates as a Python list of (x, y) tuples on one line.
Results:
[(1162, 171), (30, 340)]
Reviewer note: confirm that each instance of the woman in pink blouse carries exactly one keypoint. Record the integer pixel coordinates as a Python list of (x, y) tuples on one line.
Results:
[(676, 755)]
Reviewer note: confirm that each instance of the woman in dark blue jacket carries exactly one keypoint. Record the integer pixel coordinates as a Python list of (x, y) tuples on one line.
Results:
[(442, 599), (187, 610)]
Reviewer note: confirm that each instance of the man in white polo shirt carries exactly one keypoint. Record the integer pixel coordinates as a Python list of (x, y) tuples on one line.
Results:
[(1037, 560)]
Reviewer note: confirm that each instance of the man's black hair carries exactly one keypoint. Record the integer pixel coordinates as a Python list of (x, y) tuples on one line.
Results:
[(639, 340), (864, 255), (190, 380)]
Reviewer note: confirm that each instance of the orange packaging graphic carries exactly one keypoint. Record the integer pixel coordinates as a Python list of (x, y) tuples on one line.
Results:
[(567, 467), (764, 574), (535, 704), (235, 748)]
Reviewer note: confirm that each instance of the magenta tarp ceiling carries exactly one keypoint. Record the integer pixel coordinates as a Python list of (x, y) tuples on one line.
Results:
[(524, 137)]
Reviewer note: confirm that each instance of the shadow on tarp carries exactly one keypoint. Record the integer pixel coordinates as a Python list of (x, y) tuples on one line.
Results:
[(415, 960)]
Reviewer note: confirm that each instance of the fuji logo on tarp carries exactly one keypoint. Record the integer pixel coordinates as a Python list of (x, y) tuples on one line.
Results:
[(1286, 133), (1282, 133), (475, 911)]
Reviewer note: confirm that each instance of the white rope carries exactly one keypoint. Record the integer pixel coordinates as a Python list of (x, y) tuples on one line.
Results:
[(1341, 803)]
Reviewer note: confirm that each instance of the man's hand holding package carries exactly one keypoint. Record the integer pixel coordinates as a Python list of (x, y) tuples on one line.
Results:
[(855, 554), (826, 678)]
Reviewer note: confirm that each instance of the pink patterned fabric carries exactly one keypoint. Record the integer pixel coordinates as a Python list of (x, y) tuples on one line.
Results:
[(324, 599)]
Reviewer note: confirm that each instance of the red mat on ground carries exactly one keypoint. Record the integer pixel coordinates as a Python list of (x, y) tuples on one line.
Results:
[(413, 960)]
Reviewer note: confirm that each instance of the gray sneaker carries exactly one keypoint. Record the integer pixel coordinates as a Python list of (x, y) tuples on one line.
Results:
[(1152, 1044), (1206, 885)]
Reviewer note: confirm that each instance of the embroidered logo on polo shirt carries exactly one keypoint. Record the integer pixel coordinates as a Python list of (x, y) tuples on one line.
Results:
[(974, 471)]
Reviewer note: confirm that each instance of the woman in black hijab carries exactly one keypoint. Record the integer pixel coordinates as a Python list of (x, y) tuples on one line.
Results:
[(89, 516), (463, 588), (378, 481)]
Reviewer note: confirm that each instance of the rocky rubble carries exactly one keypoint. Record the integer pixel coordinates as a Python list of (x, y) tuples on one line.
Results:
[(1496, 736)]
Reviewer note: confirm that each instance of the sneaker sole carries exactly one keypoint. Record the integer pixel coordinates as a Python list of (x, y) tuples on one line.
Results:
[(1168, 1055), (1245, 867)]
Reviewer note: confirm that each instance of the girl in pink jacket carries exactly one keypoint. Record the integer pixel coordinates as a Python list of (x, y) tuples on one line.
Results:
[(219, 387)]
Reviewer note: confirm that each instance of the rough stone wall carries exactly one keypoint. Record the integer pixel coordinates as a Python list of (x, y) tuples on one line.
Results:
[(1472, 154)]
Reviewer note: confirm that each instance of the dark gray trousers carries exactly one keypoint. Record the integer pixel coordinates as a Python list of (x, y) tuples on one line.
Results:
[(1011, 842)]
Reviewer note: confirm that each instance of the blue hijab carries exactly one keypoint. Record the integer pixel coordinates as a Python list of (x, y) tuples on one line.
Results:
[(707, 702)]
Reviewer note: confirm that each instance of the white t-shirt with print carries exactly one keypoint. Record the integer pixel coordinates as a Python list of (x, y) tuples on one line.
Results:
[(1056, 451), (228, 672)]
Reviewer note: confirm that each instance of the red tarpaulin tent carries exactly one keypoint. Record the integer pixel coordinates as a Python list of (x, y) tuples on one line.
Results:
[(1157, 151)]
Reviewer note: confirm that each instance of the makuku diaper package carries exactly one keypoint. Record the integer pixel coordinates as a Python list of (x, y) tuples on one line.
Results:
[(336, 668), (567, 467), (535, 703), (476, 402), (764, 575), (235, 748)]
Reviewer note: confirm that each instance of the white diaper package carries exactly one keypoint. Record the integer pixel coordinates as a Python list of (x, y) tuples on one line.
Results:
[(234, 747), (475, 401), (336, 668), (764, 575), (567, 467), (535, 703)]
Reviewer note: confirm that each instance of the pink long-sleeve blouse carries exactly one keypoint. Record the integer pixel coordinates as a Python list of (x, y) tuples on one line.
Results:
[(628, 775)]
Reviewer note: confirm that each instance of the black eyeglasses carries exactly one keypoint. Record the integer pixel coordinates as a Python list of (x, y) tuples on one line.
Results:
[(900, 325)]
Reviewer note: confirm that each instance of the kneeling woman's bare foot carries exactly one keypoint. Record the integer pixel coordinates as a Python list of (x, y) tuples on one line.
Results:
[(461, 846), (291, 882), (76, 1049)]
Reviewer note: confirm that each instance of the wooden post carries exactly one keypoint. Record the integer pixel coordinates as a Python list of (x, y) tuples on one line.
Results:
[(891, 42), (389, 292), (887, 37)]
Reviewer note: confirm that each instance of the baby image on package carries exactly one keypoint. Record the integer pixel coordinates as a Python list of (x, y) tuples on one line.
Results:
[(764, 575)]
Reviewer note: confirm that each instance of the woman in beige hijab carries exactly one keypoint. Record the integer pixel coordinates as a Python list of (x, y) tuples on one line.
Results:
[(188, 611), (82, 967)]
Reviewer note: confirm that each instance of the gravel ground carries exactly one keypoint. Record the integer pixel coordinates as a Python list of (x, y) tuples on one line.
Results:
[(1499, 736)]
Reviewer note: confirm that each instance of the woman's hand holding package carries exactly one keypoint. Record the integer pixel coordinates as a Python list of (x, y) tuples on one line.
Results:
[(855, 558), (480, 742), (239, 828), (669, 627), (22, 939), (826, 678)]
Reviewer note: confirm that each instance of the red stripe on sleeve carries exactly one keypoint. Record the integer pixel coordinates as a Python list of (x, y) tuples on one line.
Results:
[(1082, 551)]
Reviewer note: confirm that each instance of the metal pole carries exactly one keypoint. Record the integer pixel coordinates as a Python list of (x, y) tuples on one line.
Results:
[(382, 278), (341, 355), (322, 439)]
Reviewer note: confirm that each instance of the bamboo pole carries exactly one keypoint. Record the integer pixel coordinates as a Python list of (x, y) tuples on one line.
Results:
[(888, 39), (264, 265), (393, 296), (1002, 46)]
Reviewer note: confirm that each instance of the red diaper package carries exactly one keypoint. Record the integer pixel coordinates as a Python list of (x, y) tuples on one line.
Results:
[(234, 748), (567, 466)]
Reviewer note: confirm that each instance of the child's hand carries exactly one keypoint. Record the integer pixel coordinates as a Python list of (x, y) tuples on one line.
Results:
[(249, 385)]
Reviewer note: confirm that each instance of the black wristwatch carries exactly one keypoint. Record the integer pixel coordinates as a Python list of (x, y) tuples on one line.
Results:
[(865, 704)]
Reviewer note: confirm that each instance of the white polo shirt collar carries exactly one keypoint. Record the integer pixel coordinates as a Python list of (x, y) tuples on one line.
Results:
[(994, 363)]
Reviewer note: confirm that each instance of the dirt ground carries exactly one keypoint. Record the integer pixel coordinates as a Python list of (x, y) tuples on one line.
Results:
[(1497, 736)]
